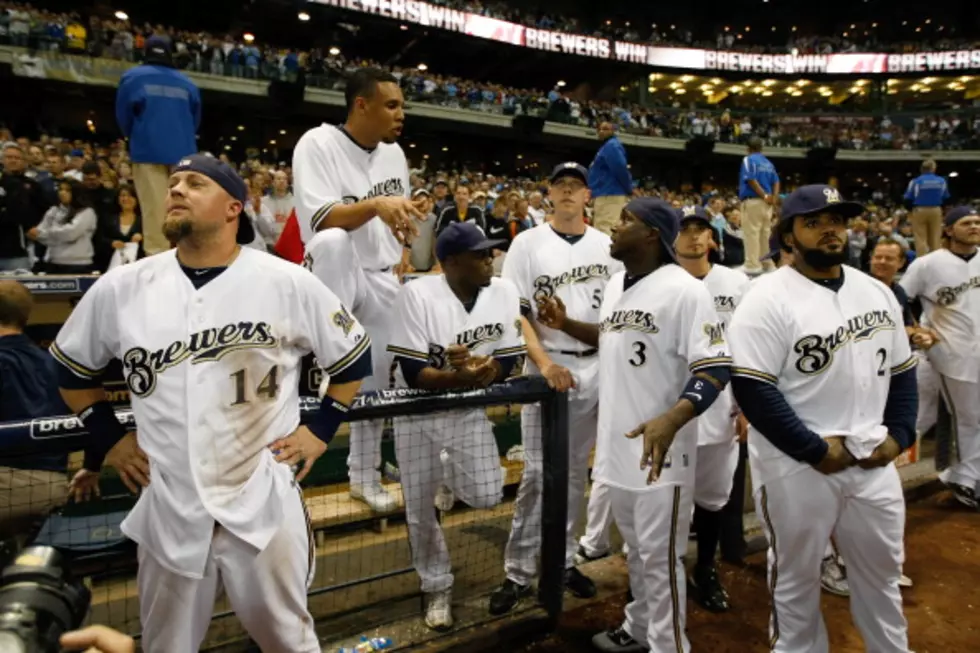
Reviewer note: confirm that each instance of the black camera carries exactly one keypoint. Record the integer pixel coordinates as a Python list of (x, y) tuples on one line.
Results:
[(38, 602)]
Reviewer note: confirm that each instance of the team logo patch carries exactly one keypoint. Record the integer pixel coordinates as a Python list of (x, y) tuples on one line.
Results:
[(343, 320), (630, 320), (519, 327), (546, 286), (816, 353), (142, 367), (715, 331), (832, 196), (724, 304)]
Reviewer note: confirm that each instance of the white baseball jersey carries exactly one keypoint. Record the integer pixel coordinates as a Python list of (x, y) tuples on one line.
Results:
[(831, 354), (330, 168), (949, 289), (431, 318), (715, 425), (214, 379), (652, 337), (542, 264)]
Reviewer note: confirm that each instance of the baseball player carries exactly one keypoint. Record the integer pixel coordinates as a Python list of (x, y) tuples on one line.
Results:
[(568, 259), (460, 329), (825, 375), (351, 193), (717, 432), (210, 336), (947, 282), (662, 362)]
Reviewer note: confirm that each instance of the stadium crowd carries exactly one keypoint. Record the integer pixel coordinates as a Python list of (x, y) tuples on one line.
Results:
[(234, 56)]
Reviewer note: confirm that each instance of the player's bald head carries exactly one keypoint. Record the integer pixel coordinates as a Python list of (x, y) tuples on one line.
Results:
[(15, 304)]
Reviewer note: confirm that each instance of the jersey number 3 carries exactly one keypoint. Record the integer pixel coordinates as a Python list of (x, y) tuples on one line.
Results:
[(639, 354), (268, 387)]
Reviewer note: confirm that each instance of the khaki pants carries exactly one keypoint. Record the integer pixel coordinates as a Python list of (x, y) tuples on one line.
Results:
[(927, 228), (26, 494), (756, 229), (152, 180), (607, 210)]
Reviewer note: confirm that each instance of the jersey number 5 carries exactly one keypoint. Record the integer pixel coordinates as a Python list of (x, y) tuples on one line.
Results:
[(268, 387), (597, 298), (639, 354)]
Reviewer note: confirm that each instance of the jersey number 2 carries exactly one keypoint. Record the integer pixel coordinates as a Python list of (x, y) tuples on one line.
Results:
[(639, 354), (268, 387), (882, 356)]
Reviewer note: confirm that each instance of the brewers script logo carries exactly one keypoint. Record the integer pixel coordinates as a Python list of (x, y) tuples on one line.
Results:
[(816, 353), (949, 294), (629, 320), (142, 366), (391, 187), (471, 338), (546, 286)]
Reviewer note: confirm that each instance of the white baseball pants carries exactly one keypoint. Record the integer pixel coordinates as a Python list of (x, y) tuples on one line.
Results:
[(715, 474), (963, 402), (370, 295), (474, 476), (599, 518), (928, 382), (266, 589), (521, 553), (865, 512), (655, 524)]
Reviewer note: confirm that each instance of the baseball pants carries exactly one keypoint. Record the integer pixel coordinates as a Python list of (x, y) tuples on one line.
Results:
[(369, 294), (521, 553), (756, 228), (654, 524), (266, 589), (474, 476), (599, 518), (865, 512), (928, 382), (962, 399)]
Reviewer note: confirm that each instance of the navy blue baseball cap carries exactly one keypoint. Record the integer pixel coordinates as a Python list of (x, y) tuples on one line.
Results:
[(957, 213), (225, 176), (570, 169), (818, 198), (659, 215), (460, 237), (776, 247), (693, 213)]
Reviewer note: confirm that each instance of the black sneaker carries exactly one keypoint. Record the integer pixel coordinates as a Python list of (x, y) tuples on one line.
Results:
[(964, 495), (706, 589), (617, 641), (579, 584), (505, 597)]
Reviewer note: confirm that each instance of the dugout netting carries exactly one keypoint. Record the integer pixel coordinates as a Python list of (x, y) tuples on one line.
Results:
[(365, 580)]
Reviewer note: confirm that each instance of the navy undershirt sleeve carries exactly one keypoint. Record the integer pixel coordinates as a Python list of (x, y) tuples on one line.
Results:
[(766, 409), (411, 369), (71, 381), (901, 408), (359, 369), (506, 364)]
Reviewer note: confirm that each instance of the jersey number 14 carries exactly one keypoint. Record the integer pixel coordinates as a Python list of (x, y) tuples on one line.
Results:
[(267, 388)]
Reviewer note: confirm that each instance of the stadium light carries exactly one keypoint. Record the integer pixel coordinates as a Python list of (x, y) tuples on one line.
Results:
[(248, 37), (423, 67), (680, 91), (686, 78), (954, 174), (122, 15), (334, 51), (282, 132), (561, 83), (403, 28), (272, 142), (241, 128), (445, 149), (303, 16)]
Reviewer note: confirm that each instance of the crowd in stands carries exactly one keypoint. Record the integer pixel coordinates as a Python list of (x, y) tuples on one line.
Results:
[(226, 55)]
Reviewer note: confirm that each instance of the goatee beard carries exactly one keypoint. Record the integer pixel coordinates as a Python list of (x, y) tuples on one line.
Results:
[(821, 260), (177, 230)]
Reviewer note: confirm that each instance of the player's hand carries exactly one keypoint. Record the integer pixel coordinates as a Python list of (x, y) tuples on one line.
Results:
[(97, 639), (658, 434), (457, 355), (837, 458), (558, 377), (883, 454), (83, 486), (400, 214), (32, 233), (118, 244), (299, 446), (137, 238), (478, 371), (741, 427), (925, 338), (552, 313), (131, 462)]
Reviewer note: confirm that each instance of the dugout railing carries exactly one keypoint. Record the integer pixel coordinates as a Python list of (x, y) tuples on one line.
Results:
[(364, 583)]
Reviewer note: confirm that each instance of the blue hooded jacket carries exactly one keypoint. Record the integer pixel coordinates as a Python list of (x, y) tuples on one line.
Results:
[(159, 110)]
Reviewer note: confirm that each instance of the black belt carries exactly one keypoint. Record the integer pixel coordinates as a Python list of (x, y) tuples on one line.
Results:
[(577, 354)]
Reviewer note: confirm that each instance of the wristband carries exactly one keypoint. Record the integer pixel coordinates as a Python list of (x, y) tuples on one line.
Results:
[(700, 392), (104, 431), (328, 419)]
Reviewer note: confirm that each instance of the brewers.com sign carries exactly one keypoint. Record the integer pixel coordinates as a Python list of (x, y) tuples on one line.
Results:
[(864, 63)]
